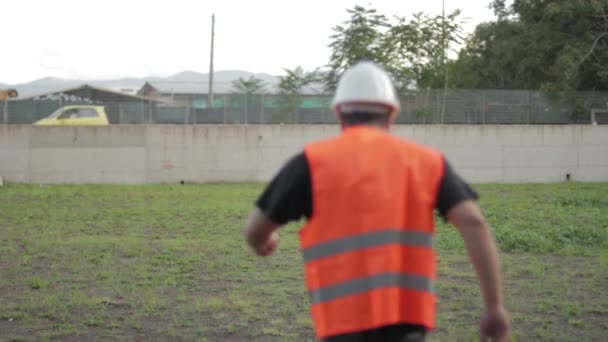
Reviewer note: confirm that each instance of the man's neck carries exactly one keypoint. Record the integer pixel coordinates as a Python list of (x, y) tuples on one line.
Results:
[(381, 126)]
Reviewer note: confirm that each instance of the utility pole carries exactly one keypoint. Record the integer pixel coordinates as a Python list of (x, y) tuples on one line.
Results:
[(210, 99), (445, 62)]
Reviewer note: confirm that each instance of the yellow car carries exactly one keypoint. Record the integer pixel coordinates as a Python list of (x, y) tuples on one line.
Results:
[(81, 115)]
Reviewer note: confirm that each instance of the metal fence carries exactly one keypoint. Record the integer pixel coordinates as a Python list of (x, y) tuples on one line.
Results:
[(420, 107)]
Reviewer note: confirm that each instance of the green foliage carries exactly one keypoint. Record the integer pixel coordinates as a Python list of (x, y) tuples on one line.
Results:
[(558, 46), (246, 92), (38, 283), (250, 86), (291, 87), (411, 49), (580, 110), (421, 45), (422, 114), (361, 37)]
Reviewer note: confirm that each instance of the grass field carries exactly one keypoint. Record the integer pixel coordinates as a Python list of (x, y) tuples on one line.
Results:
[(163, 263)]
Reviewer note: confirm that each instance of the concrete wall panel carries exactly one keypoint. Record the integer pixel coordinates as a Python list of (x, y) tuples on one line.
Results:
[(212, 153), (87, 165), (14, 152)]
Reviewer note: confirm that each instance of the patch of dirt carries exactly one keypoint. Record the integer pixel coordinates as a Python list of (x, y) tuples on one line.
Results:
[(13, 328)]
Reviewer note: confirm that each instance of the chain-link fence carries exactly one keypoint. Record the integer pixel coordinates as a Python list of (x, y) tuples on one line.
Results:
[(420, 107)]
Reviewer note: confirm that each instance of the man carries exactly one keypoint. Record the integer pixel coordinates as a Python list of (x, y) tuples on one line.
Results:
[(369, 199)]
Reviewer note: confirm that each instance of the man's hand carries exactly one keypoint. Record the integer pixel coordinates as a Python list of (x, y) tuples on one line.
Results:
[(260, 233), (270, 246), (495, 325)]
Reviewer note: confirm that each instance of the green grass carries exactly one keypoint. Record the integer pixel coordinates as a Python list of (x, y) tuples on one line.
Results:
[(159, 263)]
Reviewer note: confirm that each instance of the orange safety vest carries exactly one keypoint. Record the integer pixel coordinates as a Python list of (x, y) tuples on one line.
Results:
[(369, 259)]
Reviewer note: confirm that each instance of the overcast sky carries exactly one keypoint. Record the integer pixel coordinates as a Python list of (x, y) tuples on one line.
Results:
[(136, 38)]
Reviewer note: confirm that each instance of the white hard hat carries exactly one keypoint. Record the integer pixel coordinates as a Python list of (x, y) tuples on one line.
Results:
[(365, 85)]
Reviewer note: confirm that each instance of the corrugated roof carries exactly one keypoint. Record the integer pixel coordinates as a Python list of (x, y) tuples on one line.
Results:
[(85, 90)]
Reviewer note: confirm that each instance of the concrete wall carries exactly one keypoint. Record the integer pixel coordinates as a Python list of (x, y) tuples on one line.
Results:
[(520, 153), (210, 153)]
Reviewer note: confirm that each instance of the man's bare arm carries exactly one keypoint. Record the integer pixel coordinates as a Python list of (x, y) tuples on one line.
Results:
[(481, 247), (469, 221)]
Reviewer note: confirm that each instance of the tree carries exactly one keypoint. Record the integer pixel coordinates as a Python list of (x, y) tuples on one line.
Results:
[(291, 87), (361, 37), (246, 93), (412, 50), (421, 46), (555, 45), (250, 86), (491, 61)]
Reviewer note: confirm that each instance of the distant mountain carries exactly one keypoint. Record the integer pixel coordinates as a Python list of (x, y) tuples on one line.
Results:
[(44, 85), (219, 77), (130, 85), (188, 76)]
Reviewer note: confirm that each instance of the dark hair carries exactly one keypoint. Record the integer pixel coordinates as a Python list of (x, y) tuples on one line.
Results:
[(364, 118)]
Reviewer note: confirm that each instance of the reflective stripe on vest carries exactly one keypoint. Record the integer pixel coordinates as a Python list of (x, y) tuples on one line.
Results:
[(366, 240), (404, 281)]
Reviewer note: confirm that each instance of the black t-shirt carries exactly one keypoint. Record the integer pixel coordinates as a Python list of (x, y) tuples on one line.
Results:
[(288, 197)]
